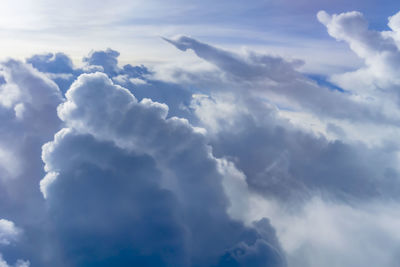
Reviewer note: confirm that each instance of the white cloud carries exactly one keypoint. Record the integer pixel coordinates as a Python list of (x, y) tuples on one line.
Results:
[(8, 232), (46, 182), (19, 263), (162, 168), (330, 234)]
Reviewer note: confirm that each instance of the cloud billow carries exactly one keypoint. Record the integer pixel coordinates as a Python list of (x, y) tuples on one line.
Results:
[(204, 167), (147, 184)]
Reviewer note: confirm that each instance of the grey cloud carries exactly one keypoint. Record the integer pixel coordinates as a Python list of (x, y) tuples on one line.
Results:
[(59, 68), (53, 63), (274, 78), (148, 183), (28, 103), (106, 59), (138, 79), (284, 162)]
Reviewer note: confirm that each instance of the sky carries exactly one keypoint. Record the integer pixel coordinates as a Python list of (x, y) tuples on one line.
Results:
[(187, 133), (134, 27)]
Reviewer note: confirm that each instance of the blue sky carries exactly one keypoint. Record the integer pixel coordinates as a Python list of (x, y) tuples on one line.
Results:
[(188, 133), (132, 27)]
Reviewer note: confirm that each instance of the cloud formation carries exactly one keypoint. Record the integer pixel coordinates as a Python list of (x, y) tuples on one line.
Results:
[(8, 232), (279, 81), (160, 169), (378, 79), (204, 167), (28, 111)]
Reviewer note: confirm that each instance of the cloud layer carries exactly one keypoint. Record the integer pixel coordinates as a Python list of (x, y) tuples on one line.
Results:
[(248, 162)]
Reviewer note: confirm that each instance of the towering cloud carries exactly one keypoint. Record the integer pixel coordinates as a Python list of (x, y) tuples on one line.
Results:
[(122, 172)]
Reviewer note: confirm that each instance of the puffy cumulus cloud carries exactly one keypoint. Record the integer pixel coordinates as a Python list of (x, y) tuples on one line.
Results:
[(28, 112), (378, 79), (28, 101), (19, 263), (19, 81), (378, 49), (58, 67), (27, 108), (106, 59), (138, 79), (8, 232), (107, 62), (53, 63), (123, 172)]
